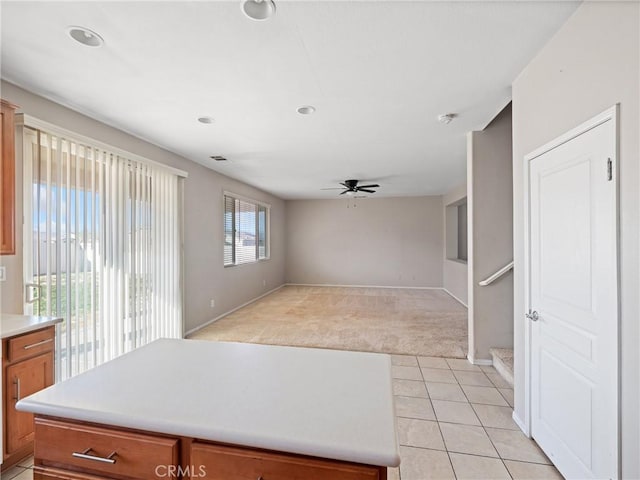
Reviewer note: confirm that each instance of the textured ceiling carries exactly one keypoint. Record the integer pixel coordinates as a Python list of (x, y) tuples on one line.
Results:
[(379, 73)]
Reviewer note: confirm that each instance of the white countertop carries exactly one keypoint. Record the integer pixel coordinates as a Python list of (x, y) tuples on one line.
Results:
[(11, 325), (323, 403)]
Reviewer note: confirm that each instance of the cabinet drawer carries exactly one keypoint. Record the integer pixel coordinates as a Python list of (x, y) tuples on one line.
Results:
[(220, 462), (79, 447), (30, 344), (40, 473)]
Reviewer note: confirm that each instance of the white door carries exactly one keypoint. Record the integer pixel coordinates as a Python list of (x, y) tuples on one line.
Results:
[(573, 302)]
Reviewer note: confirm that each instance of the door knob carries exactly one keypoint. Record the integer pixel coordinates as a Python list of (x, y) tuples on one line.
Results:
[(532, 315)]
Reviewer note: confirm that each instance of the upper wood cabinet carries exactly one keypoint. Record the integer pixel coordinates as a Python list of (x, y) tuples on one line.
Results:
[(7, 179)]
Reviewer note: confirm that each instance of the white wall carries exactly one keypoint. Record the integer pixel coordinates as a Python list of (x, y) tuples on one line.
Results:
[(591, 64), (380, 241), (205, 276), (454, 272), (490, 202)]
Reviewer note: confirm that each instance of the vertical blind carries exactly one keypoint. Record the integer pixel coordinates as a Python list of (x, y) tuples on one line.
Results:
[(105, 249), (246, 230)]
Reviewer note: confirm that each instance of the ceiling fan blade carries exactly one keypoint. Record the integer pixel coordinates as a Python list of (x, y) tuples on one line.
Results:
[(366, 190), (374, 185), (342, 193), (333, 188)]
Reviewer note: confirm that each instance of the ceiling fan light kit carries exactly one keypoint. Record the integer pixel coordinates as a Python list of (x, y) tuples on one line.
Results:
[(446, 118)]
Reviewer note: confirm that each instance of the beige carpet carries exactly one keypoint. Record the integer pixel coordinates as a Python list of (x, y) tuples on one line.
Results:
[(385, 320)]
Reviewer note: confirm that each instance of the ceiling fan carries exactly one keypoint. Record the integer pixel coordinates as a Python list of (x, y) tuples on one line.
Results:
[(351, 187)]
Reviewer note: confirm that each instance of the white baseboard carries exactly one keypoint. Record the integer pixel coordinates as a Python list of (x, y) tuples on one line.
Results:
[(479, 361), (209, 322), (520, 424), (456, 298), (358, 286)]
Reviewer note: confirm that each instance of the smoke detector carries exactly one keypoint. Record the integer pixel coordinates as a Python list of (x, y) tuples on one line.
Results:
[(446, 118)]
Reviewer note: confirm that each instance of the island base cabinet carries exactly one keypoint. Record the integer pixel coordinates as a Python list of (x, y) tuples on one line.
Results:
[(220, 462), (103, 452)]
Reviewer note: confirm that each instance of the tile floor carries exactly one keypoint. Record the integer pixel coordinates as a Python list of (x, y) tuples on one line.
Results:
[(22, 471), (454, 422)]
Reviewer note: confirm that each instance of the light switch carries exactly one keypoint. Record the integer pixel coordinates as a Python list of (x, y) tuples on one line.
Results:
[(3, 274)]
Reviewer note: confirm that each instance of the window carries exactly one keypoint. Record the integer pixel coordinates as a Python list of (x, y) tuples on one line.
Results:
[(102, 237), (246, 230)]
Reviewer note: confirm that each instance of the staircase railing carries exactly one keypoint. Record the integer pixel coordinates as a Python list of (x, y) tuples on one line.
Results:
[(489, 280)]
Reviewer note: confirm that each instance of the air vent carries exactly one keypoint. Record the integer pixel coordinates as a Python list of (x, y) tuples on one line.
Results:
[(218, 158)]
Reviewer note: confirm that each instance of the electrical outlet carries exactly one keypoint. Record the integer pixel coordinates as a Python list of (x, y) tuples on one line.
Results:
[(264, 283), (3, 274), (213, 303)]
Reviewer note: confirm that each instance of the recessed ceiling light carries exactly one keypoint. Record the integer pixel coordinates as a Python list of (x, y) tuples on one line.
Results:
[(258, 9), (206, 120), (306, 110), (85, 36), (446, 118)]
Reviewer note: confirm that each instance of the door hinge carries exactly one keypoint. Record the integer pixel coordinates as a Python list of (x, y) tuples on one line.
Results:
[(609, 169)]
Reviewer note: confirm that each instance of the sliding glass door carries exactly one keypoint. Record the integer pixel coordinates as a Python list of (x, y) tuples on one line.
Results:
[(101, 249)]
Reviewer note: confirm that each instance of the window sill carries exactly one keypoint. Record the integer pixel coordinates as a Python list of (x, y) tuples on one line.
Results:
[(248, 263), (457, 260)]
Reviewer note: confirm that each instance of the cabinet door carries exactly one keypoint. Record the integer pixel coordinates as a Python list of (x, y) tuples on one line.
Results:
[(7, 179), (23, 379)]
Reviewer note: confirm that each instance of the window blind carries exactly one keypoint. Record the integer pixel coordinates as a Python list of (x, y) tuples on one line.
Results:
[(246, 230), (103, 233), (229, 229)]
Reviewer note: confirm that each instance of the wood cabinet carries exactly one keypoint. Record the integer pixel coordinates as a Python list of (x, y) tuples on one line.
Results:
[(103, 451), (27, 368), (221, 462), (7, 178), (74, 450)]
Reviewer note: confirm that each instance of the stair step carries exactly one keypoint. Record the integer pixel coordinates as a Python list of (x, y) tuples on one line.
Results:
[(503, 362)]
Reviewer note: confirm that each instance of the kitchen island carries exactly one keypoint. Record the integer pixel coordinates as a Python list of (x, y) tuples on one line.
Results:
[(215, 410)]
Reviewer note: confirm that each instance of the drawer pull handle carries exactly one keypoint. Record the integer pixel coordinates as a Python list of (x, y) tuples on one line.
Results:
[(37, 344), (16, 382), (85, 455)]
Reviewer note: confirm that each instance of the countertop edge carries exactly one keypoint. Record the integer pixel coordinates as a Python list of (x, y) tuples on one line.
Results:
[(29, 328), (376, 458)]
